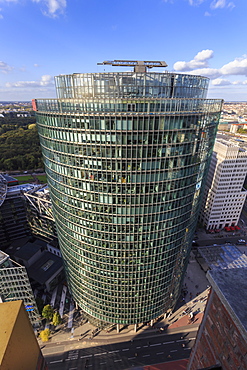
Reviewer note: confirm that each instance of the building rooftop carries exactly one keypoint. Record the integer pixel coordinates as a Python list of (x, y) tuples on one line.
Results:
[(231, 287), (223, 257), (43, 269), (27, 251)]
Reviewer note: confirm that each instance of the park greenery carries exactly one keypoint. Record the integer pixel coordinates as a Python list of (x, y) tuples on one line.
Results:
[(19, 144)]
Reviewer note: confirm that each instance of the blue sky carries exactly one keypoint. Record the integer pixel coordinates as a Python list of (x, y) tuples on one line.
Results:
[(40, 39)]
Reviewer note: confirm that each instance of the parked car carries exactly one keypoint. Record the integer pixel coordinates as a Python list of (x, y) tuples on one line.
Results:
[(241, 241)]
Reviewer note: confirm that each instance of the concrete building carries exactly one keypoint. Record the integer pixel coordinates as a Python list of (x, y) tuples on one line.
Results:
[(222, 337), (125, 155), (224, 194), (19, 349), (15, 285)]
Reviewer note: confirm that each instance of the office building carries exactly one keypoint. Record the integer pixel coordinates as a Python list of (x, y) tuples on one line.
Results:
[(222, 337), (224, 194), (15, 285), (125, 155)]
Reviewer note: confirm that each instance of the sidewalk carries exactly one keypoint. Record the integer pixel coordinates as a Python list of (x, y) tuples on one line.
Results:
[(196, 284)]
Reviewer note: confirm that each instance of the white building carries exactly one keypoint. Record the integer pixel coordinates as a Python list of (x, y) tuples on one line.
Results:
[(224, 195)]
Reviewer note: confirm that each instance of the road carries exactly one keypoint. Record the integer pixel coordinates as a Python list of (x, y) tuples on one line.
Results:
[(124, 355)]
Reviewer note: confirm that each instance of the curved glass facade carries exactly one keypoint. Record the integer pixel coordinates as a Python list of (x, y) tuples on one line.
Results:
[(125, 157)]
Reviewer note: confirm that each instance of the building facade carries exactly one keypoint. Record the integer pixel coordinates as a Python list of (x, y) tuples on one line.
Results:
[(225, 194), (222, 337), (125, 156), (15, 285)]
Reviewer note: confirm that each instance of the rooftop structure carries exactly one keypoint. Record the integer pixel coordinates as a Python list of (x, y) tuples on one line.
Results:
[(221, 257), (125, 155), (139, 66)]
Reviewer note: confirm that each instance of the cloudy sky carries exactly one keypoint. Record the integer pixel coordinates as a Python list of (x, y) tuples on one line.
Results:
[(43, 38)]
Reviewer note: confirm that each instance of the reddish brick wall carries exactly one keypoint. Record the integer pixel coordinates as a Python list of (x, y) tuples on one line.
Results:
[(220, 341)]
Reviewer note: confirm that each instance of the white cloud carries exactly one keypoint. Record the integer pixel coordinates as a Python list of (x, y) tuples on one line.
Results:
[(207, 72), (196, 2), (220, 82), (46, 80), (207, 14), (36, 65), (220, 4), (53, 7), (237, 67), (199, 61), (240, 82), (4, 67)]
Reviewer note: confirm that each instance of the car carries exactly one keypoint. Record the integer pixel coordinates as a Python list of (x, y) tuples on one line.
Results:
[(241, 241)]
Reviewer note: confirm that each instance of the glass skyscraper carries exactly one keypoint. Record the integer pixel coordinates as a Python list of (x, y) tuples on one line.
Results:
[(125, 155)]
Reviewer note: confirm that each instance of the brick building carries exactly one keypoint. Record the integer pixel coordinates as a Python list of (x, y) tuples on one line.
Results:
[(222, 338)]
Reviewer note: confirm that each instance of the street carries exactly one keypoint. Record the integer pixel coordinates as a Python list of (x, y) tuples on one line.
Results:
[(136, 352)]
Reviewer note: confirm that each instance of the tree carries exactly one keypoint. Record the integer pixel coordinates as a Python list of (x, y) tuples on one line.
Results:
[(48, 312), (56, 320), (44, 335)]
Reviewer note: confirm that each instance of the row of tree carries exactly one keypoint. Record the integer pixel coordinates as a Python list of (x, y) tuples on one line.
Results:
[(52, 317)]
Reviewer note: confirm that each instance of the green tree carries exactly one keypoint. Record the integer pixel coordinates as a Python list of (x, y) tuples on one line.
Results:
[(48, 312), (44, 335), (56, 320)]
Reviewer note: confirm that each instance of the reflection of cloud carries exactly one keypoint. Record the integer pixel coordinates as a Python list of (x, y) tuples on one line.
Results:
[(5, 68), (199, 61), (45, 80)]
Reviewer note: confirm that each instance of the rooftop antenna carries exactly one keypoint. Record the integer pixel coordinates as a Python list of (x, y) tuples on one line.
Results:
[(139, 65)]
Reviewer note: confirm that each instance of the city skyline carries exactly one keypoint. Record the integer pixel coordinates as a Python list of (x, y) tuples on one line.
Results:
[(41, 39)]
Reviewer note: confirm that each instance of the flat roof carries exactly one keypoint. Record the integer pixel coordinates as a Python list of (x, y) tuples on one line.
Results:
[(43, 269), (27, 251), (225, 256), (231, 287)]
